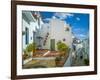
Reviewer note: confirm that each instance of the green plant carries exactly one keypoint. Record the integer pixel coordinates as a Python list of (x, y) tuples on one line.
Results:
[(31, 47), (58, 58), (25, 56), (62, 48), (86, 61)]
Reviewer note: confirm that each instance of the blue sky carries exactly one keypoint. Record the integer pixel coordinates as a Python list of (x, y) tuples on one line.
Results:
[(78, 21)]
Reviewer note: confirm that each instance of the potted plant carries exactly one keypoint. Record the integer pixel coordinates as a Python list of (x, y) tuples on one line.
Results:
[(62, 48), (63, 51), (31, 48), (86, 61), (58, 59), (25, 55)]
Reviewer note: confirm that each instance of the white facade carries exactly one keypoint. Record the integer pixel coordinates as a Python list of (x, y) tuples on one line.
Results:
[(31, 23), (44, 31), (58, 30)]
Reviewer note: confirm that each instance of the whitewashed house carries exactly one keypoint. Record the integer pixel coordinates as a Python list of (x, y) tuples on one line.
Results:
[(45, 35), (31, 22), (54, 31)]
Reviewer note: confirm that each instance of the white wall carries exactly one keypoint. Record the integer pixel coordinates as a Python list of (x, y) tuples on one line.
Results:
[(24, 24), (44, 30), (32, 27), (5, 37), (58, 32)]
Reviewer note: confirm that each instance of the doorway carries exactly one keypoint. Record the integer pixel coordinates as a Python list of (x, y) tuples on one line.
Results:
[(52, 44)]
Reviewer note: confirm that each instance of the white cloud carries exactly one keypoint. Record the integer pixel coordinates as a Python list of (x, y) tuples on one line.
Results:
[(63, 15), (54, 17), (79, 30), (80, 36), (59, 15), (47, 19), (78, 19)]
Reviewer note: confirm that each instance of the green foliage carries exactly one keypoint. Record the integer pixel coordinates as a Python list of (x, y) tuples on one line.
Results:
[(62, 46), (86, 61), (58, 58), (31, 47), (25, 56)]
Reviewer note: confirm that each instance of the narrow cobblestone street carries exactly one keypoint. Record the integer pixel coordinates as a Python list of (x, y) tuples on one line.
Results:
[(78, 60)]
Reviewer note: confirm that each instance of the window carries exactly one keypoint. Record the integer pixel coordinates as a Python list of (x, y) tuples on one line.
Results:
[(27, 35), (31, 38)]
